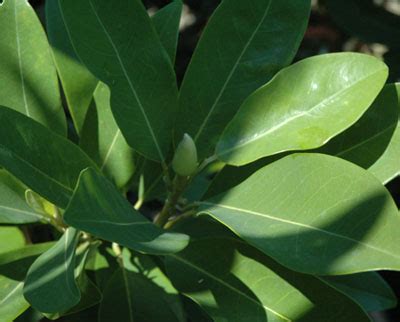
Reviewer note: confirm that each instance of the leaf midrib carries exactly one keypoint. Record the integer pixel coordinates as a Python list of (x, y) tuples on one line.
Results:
[(19, 285), (210, 112), (295, 223), (147, 121), (227, 285), (301, 114)]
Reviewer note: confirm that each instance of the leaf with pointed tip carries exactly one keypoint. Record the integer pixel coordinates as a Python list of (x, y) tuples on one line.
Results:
[(50, 284), (238, 52), (13, 207), (103, 141), (13, 268), (368, 289), (232, 281), (77, 82), (278, 118), (11, 238), (314, 213), (136, 68), (98, 208), (166, 22), (367, 140), (27, 74), (46, 162)]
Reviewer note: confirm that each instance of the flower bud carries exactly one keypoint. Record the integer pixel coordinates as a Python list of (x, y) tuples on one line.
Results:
[(185, 158)]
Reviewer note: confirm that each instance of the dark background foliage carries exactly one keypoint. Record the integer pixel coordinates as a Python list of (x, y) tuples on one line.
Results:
[(368, 26)]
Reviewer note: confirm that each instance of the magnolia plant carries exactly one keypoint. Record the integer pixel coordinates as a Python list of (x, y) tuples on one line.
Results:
[(195, 203)]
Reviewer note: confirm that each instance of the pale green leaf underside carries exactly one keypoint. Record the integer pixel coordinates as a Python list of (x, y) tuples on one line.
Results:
[(129, 57), (98, 208), (27, 74), (294, 111), (50, 284), (314, 213), (243, 45), (11, 238)]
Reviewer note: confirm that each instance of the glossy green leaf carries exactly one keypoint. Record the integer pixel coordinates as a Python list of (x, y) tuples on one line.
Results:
[(367, 140), (314, 213), (77, 82), (13, 207), (232, 281), (46, 162), (10, 238), (28, 77), (166, 22), (50, 285), (368, 289), (244, 44), (99, 209), (103, 141), (129, 57), (295, 110), (13, 268)]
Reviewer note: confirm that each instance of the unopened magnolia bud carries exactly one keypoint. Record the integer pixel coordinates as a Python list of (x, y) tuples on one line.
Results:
[(185, 158)]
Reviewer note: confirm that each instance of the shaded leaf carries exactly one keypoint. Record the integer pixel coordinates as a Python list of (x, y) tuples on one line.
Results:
[(314, 213), (369, 290), (27, 74), (77, 82), (232, 281), (137, 69), (99, 209), (244, 44), (278, 118), (50, 285), (41, 159)]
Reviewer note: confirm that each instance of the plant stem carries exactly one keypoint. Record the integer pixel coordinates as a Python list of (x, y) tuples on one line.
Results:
[(178, 186)]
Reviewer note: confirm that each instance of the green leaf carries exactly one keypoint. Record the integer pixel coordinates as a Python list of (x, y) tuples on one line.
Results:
[(13, 208), (103, 141), (367, 140), (369, 290), (10, 238), (13, 268), (126, 297), (244, 44), (120, 46), (27, 74), (46, 162), (232, 281), (314, 213), (99, 209), (50, 285), (77, 82), (295, 110), (166, 22)]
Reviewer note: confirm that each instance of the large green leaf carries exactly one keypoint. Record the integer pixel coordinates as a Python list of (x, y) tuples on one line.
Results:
[(27, 74), (50, 284), (166, 22), (10, 238), (367, 289), (98, 208), (126, 297), (77, 82), (314, 213), (13, 268), (295, 110), (43, 160), (13, 207), (367, 140), (234, 282), (103, 141), (244, 44), (120, 46)]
